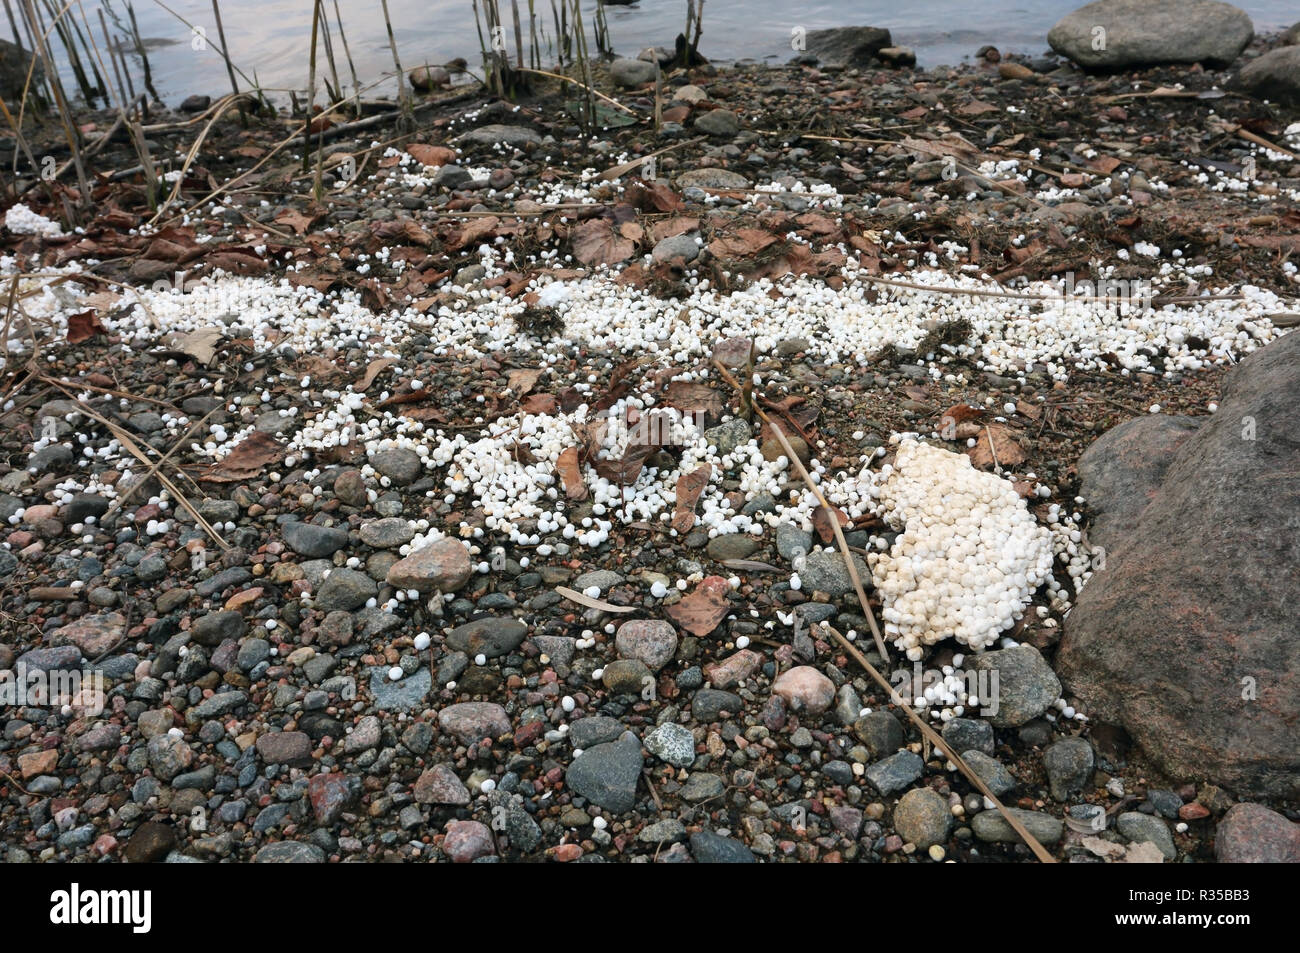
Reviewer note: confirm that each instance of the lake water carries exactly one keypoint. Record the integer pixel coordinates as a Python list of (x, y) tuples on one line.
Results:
[(272, 37)]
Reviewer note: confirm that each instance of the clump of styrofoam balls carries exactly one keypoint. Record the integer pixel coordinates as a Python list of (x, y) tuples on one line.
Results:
[(968, 559), (21, 220)]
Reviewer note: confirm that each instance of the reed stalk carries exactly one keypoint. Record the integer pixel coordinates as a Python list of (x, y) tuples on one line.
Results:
[(230, 70)]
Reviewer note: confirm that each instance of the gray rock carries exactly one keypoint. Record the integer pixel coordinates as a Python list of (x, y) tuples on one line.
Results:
[(708, 704), (673, 743), (595, 730), (792, 542), (515, 136), (404, 694), (1151, 32), (881, 733), (702, 786), (1275, 76), (1121, 472), (1025, 684), (607, 774), (1166, 612), (1142, 828), (682, 247), (991, 771), (732, 546), (827, 572), (847, 46), (401, 465), (345, 589), (667, 831), (387, 533), (710, 848), (627, 72), (967, 734), (895, 773), (289, 852), (315, 542), (492, 636), (712, 179), (991, 827), (215, 627), (720, 123), (1069, 764)]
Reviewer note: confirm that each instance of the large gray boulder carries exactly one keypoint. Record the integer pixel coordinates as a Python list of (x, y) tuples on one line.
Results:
[(1118, 34), (1189, 638), (1275, 76), (1122, 472)]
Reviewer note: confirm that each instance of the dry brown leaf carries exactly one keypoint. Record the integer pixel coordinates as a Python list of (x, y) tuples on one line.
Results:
[(83, 326), (821, 520), (700, 612), (742, 243), (539, 404), (693, 397), (1003, 451), (254, 454), (570, 471), (295, 219), (596, 243), (200, 345), (524, 379), (689, 488), (377, 367)]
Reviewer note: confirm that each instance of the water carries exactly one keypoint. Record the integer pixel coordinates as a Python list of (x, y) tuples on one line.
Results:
[(272, 37)]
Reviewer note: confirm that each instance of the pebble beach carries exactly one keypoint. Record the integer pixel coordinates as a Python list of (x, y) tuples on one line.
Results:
[(832, 461)]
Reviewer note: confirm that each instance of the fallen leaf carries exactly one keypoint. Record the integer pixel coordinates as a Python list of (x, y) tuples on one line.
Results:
[(1003, 450), (689, 488), (694, 398), (700, 612), (539, 404), (523, 380), (200, 345), (377, 367), (570, 471), (596, 243), (582, 599), (83, 326), (295, 219), (742, 243), (822, 522), (254, 454)]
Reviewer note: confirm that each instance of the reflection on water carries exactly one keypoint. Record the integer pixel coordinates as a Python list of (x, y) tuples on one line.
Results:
[(270, 39)]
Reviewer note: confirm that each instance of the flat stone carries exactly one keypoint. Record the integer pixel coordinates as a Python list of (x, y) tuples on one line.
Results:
[(440, 785), (289, 852), (469, 722), (607, 774), (442, 566), (991, 827), (492, 636), (387, 533), (1147, 828), (345, 589), (284, 747), (312, 541), (92, 634), (515, 136), (1068, 764), (708, 847), (893, 774)]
